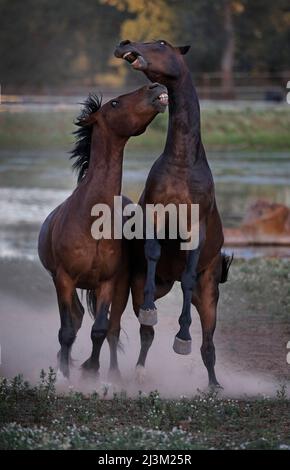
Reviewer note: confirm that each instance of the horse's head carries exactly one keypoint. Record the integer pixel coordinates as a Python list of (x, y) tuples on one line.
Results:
[(117, 120), (130, 114), (160, 61)]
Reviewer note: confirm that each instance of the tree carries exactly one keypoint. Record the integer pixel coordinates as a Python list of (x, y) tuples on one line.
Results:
[(148, 19), (47, 43), (145, 20), (228, 55)]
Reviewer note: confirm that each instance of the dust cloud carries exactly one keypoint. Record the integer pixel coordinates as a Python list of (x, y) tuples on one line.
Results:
[(29, 343)]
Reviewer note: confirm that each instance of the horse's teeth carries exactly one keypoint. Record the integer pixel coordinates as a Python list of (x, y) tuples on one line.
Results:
[(163, 97)]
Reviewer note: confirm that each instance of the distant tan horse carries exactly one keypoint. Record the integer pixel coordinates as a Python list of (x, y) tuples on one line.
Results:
[(66, 246), (265, 223)]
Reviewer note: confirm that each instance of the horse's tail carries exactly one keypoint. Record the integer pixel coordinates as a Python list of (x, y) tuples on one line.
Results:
[(91, 302), (226, 264)]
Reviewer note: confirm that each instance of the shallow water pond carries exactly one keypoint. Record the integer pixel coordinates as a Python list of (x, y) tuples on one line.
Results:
[(32, 183)]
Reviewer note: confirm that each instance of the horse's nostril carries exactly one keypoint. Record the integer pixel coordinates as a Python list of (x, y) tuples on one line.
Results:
[(124, 43), (154, 85)]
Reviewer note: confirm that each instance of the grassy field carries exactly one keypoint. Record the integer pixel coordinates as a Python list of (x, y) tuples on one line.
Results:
[(221, 129), (37, 418)]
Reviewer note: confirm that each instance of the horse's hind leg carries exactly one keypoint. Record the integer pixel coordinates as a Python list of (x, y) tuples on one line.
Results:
[(148, 312), (146, 331), (205, 300), (182, 341), (77, 314), (100, 326), (119, 303), (67, 333)]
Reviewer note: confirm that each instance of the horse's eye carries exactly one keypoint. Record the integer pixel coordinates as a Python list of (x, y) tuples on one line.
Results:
[(114, 103)]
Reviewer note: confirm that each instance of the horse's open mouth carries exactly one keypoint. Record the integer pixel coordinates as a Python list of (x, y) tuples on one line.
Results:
[(163, 99), (160, 101), (135, 59), (130, 57)]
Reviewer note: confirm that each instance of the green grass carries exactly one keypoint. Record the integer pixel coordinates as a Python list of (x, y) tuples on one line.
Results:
[(247, 128), (262, 289), (38, 418), (221, 129)]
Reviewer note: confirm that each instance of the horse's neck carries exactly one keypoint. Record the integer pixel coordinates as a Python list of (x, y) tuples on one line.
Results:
[(104, 176), (183, 138)]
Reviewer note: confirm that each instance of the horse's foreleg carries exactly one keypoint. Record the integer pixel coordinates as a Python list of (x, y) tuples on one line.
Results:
[(148, 312), (67, 332), (205, 300)]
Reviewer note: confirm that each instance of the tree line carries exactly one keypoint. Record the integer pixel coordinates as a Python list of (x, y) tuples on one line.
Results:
[(46, 44)]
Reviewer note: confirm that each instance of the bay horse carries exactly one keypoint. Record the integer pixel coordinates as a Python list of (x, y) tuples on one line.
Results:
[(181, 175), (66, 246)]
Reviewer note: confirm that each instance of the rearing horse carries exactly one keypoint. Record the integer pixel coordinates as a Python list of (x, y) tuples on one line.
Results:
[(181, 175), (67, 248)]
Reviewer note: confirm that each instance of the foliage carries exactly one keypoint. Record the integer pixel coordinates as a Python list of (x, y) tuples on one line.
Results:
[(51, 44), (151, 19)]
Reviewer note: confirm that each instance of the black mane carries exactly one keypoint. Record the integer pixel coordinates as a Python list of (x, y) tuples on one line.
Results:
[(82, 148)]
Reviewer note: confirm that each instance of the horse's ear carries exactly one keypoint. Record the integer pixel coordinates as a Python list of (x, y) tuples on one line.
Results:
[(183, 49)]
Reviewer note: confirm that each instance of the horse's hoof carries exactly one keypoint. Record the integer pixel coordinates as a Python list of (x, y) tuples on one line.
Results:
[(215, 386), (61, 381), (61, 377), (181, 346), (140, 375), (148, 317), (89, 369), (90, 375)]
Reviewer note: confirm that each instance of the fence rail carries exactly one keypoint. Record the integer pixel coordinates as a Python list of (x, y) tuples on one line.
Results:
[(262, 87)]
